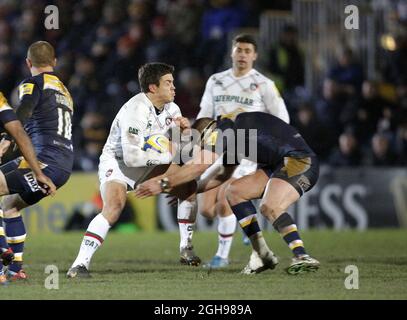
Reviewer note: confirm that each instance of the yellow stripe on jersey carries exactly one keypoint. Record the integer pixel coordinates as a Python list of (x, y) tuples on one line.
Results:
[(3, 101), (24, 164), (25, 88), (295, 167), (52, 82), (2, 232)]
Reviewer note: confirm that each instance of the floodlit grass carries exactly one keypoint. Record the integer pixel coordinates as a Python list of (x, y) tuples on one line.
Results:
[(145, 266)]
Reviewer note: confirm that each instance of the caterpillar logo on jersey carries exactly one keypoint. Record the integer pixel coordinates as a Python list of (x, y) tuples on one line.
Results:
[(157, 142), (32, 182)]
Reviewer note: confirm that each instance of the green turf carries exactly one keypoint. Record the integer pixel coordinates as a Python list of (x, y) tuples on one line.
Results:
[(145, 266)]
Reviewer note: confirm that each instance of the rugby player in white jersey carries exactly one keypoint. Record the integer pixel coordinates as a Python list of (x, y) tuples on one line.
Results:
[(227, 94), (124, 163)]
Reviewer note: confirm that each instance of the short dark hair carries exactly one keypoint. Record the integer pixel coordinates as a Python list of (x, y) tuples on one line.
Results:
[(150, 73), (245, 38), (41, 54)]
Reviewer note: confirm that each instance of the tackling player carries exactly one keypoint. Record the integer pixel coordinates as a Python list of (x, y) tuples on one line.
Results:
[(46, 110), (287, 169), (124, 163), (227, 94)]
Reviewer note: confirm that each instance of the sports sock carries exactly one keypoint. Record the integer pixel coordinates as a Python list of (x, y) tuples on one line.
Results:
[(287, 228), (245, 213), (3, 241), (15, 231), (226, 229), (186, 216), (93, 239)]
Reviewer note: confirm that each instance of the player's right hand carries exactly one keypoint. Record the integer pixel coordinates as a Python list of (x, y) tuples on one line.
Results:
[(46, 185)]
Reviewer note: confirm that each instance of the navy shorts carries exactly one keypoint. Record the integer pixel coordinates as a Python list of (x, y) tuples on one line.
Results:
[(20, 179), (301, 173)]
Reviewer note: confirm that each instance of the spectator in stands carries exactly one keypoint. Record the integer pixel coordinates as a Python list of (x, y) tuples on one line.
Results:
[(94, 133), (401, 144), (183, 23), (371, 108), (161, 47), (220, 18), (189, 91), (380, 153), (348, 154), (313, 131), (287, 60), (347, 74)]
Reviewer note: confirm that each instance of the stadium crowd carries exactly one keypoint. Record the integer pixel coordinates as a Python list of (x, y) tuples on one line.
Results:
[(101, 44)]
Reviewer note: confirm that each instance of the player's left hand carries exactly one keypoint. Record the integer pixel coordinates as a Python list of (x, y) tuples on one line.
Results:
[(183, 123), (148, 188), (47, 186), (4, 145)]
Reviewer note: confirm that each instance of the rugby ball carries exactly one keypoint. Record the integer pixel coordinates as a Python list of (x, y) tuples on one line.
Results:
[(157, 142)]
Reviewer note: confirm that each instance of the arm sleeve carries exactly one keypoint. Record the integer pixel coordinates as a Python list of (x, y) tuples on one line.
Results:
[(207, 108), (29, 96), (132, 125), (274, 102), (6, 112)]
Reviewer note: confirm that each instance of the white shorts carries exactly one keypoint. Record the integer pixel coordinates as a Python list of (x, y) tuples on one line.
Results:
[(110, 169), (245, 168)]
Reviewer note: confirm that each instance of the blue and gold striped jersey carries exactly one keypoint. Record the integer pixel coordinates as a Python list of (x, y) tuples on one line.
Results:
[(46, 110)]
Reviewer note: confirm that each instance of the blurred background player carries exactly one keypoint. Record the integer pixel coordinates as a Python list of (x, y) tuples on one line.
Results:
[(227, 94), (287, 169), (124, 163), (46, 110)]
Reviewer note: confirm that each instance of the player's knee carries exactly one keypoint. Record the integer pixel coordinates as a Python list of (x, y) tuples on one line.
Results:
[(270, 211), (234, 195), (208, 212)]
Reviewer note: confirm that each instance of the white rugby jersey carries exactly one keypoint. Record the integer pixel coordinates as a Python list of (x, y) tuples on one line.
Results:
[(135, 121), (227, 95)]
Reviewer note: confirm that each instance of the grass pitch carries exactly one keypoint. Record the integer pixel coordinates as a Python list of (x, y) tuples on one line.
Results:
[(145, 266)]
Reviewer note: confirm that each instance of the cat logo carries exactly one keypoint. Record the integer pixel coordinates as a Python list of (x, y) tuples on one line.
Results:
[(133, 130)]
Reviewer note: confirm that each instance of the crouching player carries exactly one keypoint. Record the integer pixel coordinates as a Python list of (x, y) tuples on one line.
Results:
[(125, 162), (46, 110), (287, 169)]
